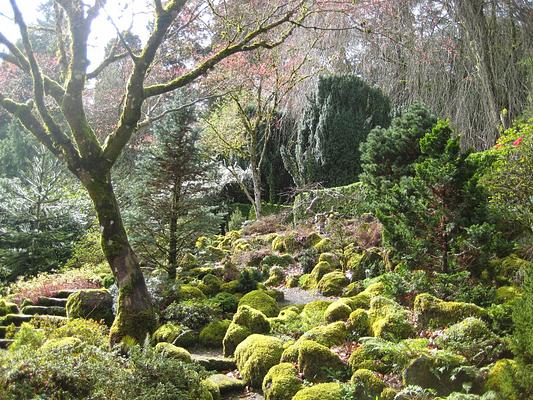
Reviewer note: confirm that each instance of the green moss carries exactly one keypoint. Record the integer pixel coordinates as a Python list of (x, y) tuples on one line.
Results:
[(312, 239), (276, 276), (329, 258), (328, 335), (212, 284), (502, 378), (507, 293), (255, 356), (7, 308), (315, 361), (388, 394), (337, 311), (251, 318), (169, 350), (261, 301), (208, 386), (284, 243), (96, 304), (332, 283), (202, 242), (362, 300), (303, 280), (510, 266), (435, 313), (353, 289), (230, 287), (234, 335), (324, 246), (320, 269), (226, 384), (281, 382), (292, 282), (189, 292), (322, 391), (358, 324), (188, 262), (281, 261), (388, 320), (167, 333), (313, 312), (367, 386), (213, 333)]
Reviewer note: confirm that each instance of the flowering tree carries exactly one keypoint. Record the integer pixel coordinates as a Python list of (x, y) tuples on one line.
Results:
[(57, 112)]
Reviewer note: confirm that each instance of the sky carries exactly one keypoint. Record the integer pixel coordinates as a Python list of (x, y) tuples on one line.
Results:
[(122, 12)]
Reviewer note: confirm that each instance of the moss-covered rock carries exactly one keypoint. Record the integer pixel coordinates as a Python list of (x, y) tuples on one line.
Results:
[(329, 335), (280, 260), (330, 258), (367, 386), (261, 301), (292, 281), (7, 307), (322, 391), (337, 311), (435, 313), (503, 379), (313, 312), (281, 382), (255, 356), (358, 324), (209, 388), (212, 284), (169, 350), (316, 362), (507, 293), (96, 304), (230, 287), (388, 394), (332, 283), (167, 333), (388, 320), (472, 339), (276, 276), (213, 333), (226, 384), (325, 245), (353, 289), (284, 243), (234, 335), (189, 292), (320, 269), (362, 300), (251, 318)]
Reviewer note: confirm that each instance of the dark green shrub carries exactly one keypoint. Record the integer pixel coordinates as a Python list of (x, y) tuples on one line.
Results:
[(192, 314)]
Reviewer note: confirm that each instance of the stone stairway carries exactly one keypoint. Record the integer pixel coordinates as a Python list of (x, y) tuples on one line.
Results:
[(45, 307)]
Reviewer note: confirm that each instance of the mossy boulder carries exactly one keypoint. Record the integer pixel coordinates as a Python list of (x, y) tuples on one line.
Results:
[(285, 243), (337, 311), (189, 292), (209, 390), (358, 323), (212, 284), (436, 313), (312, 239), (320, 269), (472, 339), (503, 379), (328, 335), (276, 276), (234, 335), (96, 304), (507, 293), (226, 384), (255, 356), (440, 373), (171, 351), (292, 281), (362, 299), (7, 307), (388, 394), (175, 334), (331, 258), (388, 320), (261, 301), (213, 333), (353, 289), (325, 245), (280, 260), (332, 283), (366, 384), (281, 382), (315, 361), (322, 391)]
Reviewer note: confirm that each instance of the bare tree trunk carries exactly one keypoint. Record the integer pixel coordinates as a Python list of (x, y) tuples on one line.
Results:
[(135, 316), (256, 178), (173, 228)]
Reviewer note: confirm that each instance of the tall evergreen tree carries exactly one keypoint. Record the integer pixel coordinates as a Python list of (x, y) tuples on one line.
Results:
[(337, 118)]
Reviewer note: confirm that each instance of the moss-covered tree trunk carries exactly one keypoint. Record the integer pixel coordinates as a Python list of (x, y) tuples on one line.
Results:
[(135, 314)]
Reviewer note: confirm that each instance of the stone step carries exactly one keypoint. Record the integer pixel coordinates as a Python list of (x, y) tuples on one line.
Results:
[(44, 310), (227, 384), (15, 319), (51, 302), (214, 362), (63, 294), (3, 331), (5, 343)]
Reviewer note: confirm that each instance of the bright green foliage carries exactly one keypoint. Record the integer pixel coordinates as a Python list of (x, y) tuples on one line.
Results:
[(261, 301), (234, 335), (503, 378), (255, 356), (213, 333), (332, 283), (358, 324), (434, 312), (337, 311), (189, 292), (366, 385), (425, 192), (322, 391), (251, 318), (328, 335), (389, 320), (337, 118), (281, 382), (7, 307)]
